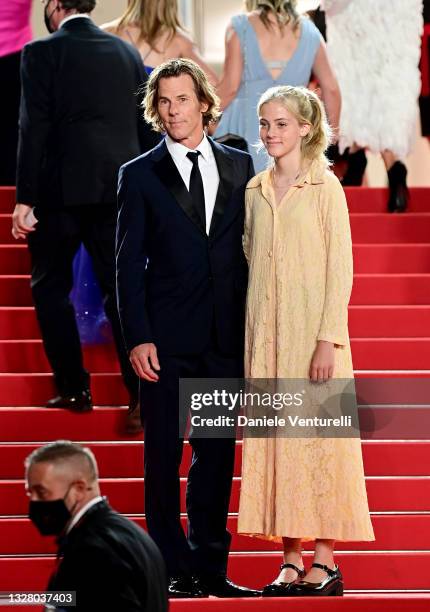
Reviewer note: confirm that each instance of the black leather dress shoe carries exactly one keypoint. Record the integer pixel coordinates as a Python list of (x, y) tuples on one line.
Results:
[(283, 589), (80, 402), (221, 586), (332, 585), (181, 587)]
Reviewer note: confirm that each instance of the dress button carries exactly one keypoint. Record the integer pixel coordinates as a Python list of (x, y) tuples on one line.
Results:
[(269, 253)]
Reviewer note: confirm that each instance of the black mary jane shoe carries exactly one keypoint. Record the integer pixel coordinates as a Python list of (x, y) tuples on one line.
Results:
[(283, 589), (332, 585)]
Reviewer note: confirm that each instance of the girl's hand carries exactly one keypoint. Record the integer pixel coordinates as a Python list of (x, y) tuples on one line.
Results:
[(322, 363)]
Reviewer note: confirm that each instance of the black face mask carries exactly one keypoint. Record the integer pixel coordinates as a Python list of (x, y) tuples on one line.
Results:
[(50, 517), (47, 19)]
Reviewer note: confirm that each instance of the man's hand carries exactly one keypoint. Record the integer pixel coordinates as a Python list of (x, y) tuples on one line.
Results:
[(322, 364), (19, 228), (144, 361)]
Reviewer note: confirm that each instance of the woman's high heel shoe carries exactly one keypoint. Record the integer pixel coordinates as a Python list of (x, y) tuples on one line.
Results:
[(399, 193), (332, 585), (356, 167), (283, 589)]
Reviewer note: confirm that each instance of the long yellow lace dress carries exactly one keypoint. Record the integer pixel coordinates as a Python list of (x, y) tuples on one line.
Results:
[(300, 280)]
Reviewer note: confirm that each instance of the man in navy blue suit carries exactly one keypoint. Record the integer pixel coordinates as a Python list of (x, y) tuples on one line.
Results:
[(181, 282)]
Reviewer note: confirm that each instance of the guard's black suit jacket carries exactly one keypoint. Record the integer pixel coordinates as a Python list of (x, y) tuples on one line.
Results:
[(79, 118), (176, 284), (112, 564)]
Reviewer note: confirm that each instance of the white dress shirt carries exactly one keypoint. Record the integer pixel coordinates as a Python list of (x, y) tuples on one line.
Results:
[(207, 166), (82, 511)]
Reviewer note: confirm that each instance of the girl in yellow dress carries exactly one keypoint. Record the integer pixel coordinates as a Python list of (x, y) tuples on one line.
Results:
[(297, 242)]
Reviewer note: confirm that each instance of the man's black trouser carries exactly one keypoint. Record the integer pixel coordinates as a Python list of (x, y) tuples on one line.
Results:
[(205, 551), (53, 246)]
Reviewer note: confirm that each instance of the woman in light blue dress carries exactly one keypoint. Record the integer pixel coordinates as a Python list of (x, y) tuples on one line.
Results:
[(270, 45)]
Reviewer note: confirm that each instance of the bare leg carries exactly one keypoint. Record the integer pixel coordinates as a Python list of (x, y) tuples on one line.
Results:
[(389, 158), (292, 554), (324, 555)]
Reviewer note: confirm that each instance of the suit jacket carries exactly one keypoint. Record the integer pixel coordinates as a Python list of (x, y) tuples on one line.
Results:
[(79, 118), (112, 564), (175, 284)]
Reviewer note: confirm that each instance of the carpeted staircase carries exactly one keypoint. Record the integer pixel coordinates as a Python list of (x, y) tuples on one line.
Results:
[(390, 335)]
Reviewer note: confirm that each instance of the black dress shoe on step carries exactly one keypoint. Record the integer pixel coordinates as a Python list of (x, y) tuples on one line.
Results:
[(181, 587), (283, 589), (79, 402), (399, 193), (221, 586), (332, 585)]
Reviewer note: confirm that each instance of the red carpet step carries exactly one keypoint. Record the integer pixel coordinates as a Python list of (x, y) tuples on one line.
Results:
[(372, 353), (388, 570), (14, 259), (364, 322), (389, 353), (386, 322), (368, 289), (385, 494), (365, 227), (29, 356), (43, 424), (391, 289), (18, 536), (391, 258), (36, 389), (351, 602), (360, 199), (389, 318), (383, 228), (374, 200), (381, 458), (378, 258)]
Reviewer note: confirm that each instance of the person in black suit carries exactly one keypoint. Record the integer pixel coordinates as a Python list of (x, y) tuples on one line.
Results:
[(109, 561), (79, 121), (181, 284)]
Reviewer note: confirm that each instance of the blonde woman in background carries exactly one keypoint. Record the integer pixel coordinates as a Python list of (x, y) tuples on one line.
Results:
[(271, 44), (155, 29), (298, 245)]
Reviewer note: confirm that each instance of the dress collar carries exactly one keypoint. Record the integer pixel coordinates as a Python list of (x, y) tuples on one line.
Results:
[(313, 176)]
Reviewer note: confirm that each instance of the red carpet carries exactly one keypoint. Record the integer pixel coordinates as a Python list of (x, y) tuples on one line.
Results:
[(390, 336)]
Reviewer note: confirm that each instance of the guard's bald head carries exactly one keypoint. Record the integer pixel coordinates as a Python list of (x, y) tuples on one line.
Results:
[(69, 460)]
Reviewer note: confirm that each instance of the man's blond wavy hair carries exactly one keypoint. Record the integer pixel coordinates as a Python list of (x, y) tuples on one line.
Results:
[(174, 68)]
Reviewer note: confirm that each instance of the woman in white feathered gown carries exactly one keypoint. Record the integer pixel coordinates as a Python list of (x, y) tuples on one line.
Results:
[(374, 48)]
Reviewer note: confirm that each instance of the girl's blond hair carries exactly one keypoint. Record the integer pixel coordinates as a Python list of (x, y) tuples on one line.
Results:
[(153, 18), (307, 108), (285, 11)]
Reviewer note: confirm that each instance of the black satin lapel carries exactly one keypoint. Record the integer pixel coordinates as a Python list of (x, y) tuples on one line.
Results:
[(226, 184), (167, 172)]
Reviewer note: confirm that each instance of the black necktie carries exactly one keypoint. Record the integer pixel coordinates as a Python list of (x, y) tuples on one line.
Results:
[(196, 187)]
